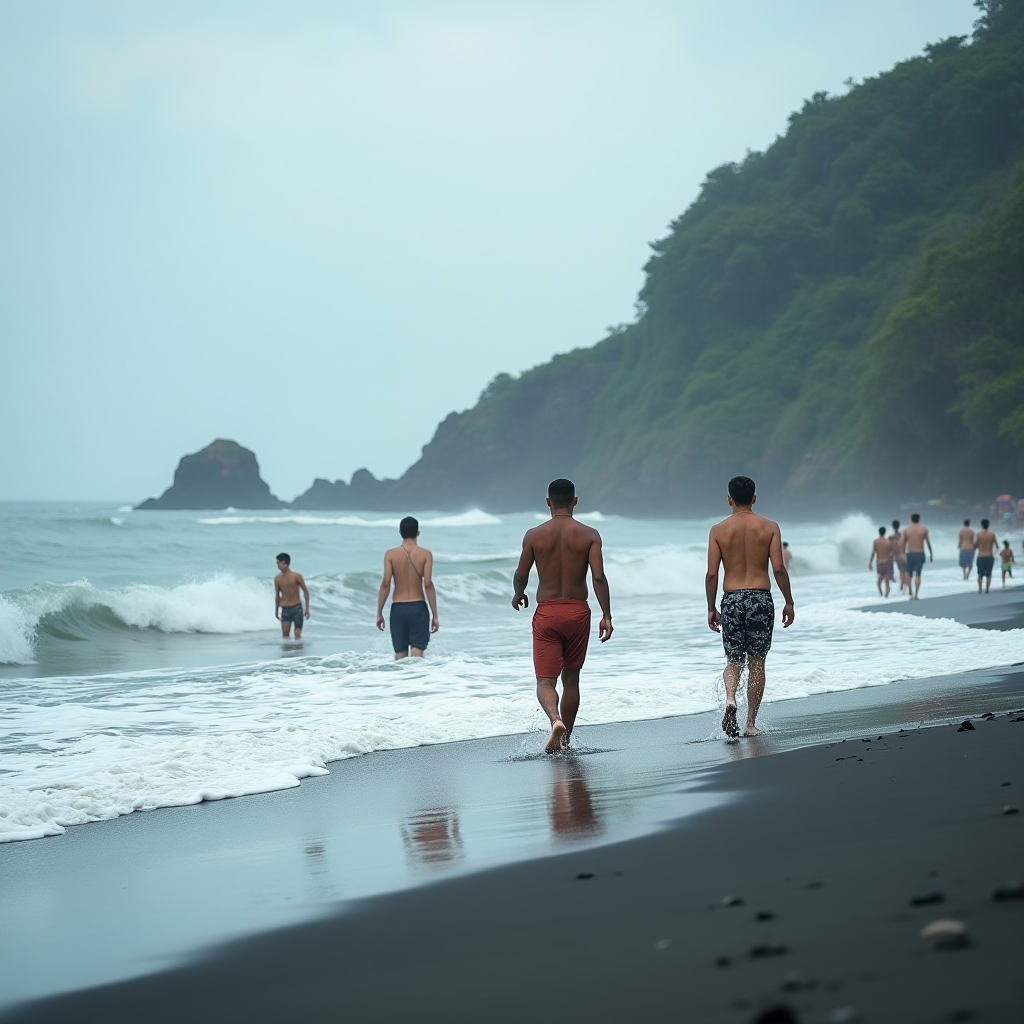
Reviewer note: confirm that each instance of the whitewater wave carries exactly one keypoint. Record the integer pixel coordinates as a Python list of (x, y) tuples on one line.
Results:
[(223, 604), (475, 517), (15, 634)]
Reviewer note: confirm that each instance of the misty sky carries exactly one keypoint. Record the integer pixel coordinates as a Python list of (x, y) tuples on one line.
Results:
[(317, 228)]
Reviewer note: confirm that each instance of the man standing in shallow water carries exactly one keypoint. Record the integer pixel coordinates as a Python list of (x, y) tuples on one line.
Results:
[(745, 543), (915, 536), (562, 549), (966, 541), (411, 567), (287, 606)]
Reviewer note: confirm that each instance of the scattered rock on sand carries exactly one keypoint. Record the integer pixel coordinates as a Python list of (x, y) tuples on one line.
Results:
[(763, 949), (925, 896), (1009, 891), (765, 915), (1010, 809), (732, 901), (777, 1015), (584, 875), (946, 933), (965, 726)]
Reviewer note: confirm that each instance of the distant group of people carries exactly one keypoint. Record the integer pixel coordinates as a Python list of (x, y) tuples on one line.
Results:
[(985, 545), (563, 550), (905, 550)]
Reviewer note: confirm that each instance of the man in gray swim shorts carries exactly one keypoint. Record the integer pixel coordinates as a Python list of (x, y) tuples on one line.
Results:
[(745, 544)]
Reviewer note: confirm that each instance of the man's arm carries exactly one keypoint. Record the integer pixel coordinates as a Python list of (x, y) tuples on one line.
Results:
[(711, 582), (601, 592), (871, 560), (382, 593), (305, 591), (431, 591), (928, 541), (277, 597), (521, 577), (781, 577)]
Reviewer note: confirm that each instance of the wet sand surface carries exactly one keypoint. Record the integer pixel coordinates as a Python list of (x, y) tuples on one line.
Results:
[(797, 896), (998, 609), (444, 879)]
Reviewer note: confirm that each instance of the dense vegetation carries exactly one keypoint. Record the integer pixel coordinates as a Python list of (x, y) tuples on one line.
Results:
[(839, 316)]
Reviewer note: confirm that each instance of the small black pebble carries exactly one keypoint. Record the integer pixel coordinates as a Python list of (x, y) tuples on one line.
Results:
[(763, 949), (926, 896), (866, 741), (777, 1015), (1006, 783), (765, 915), (1017, 719), (1009, 891), (814, 885), (583, 875), (732, 901), (1010, 809), (879, 737), (723, 961), (988, 715), (965, 726)]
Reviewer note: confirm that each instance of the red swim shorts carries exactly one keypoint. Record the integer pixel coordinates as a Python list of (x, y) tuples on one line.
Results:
[(561, 632)]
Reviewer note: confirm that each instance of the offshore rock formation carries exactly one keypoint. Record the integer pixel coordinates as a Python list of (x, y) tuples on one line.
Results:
[(221, 475)]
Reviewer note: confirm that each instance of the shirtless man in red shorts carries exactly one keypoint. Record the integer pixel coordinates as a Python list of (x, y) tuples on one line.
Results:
[(562, 548)]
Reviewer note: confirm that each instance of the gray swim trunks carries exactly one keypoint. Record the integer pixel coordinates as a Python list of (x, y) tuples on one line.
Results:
[(748, 618), (293, 613)]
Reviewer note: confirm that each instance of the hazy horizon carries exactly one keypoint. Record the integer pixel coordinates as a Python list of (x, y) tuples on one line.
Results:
[(318, 229)]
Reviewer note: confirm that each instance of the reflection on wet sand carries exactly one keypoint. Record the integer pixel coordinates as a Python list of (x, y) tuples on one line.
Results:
[(748, 746), (572, 809), (432, 836), (321, 886)]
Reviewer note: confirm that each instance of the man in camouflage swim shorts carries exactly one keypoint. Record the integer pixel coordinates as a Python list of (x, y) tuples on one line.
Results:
[(745, 543)]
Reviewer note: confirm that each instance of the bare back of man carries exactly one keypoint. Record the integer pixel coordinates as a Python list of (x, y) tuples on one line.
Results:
[(915, 539), (965, 542), (899, 553), (745, 544), (882, 550), (563, 549), (409, 569), (986, 544)]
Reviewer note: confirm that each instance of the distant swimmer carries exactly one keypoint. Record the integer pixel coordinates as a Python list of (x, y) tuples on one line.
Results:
[(411, 568), (899, 554), (745, 543), (882, 551), (287, 606), (787, 556), (562, 549), (985, 542), (966, 548), (915, 537), (1007, 560)]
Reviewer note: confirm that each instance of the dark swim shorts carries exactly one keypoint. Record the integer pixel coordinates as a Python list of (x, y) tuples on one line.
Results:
[(915, 562), (985, 566), (293, 613), (410, 625), (748, 618)]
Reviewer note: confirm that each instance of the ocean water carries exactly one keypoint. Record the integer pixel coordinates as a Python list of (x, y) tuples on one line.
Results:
[(141, 665)]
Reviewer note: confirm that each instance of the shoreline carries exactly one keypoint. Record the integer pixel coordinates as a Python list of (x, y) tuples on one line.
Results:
[(820, 920), (388, 824)]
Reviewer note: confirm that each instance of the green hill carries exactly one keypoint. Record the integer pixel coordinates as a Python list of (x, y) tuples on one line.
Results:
[(839, 316)]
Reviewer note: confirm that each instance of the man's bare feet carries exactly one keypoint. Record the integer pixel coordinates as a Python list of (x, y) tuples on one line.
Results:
[(556, 741), (729, 726), (752, 730)]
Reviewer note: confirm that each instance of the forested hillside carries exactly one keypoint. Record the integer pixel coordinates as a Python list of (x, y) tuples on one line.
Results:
[(840, 317)]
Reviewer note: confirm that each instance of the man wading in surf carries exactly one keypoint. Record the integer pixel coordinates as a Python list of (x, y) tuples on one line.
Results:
[(562, 549), (411, 567), (745, 543)]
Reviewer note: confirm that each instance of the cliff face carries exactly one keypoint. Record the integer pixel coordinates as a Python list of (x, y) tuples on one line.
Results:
[(837, 317), (221, 475)]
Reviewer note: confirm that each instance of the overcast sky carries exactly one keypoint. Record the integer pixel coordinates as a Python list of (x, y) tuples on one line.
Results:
[(318, 228)]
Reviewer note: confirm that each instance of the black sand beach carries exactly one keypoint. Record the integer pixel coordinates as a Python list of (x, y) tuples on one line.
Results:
[(825, 846)]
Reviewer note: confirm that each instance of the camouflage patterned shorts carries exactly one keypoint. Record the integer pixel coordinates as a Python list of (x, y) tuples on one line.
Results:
[(748, 618)]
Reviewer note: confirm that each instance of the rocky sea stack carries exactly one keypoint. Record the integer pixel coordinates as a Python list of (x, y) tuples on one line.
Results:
[(221, 475)]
